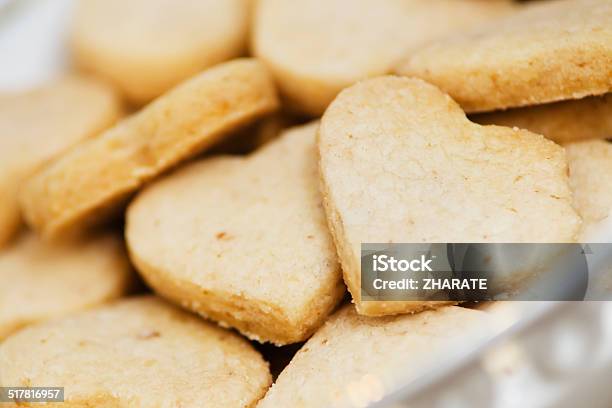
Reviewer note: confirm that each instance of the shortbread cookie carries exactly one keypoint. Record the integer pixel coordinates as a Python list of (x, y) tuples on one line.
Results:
[(139, 352), (242, 241), (354, 360), (146, 47), (39, 280), (315, 48), (591, 179), (551, 51), (92, 179), (400, 162), (39, 124), (563, 122)]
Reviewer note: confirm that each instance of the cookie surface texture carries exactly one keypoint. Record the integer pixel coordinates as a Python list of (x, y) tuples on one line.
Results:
[(400, 162)]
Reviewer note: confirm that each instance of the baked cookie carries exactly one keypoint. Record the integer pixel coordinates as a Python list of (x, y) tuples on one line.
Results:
[(563, 122), (92, 179), (353, 361), (146, 47), (590, 165), (315, 48), (551, 51), (138, 352), (40, 280), (39, 124), (242, 241), (400, 162)]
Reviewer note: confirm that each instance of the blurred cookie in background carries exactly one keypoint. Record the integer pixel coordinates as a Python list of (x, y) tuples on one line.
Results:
[(315, 48), (40, 280), (39, 124), (547, 52), (146, 47)]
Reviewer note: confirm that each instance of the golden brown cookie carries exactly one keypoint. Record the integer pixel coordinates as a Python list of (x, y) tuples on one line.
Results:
[(37, 125), (139, 352), (95, 177), (400, 162), (551, 51), (40, 280), (242, 241), (563, 122), (146, 47), (591, 179), (315, 48), (355, 360)]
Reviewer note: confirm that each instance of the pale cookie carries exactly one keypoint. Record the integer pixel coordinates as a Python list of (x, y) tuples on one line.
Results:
[(400, 162), (96, 176), (563, 122), (146, 47), (315, 48), (591, 179), (353, 361), (242, 241), (40, 280), (139, 352), (39, 124), (551, 51)]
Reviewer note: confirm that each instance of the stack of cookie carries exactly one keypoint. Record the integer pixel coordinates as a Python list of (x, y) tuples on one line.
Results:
[(242, 250)]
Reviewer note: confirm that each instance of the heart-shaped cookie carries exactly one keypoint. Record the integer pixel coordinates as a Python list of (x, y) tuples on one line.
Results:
[(243, 240), (400, 162)]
